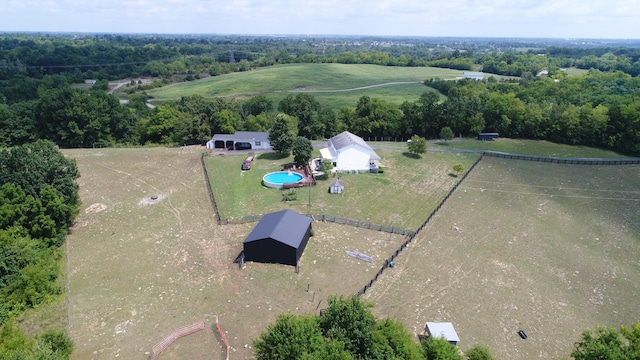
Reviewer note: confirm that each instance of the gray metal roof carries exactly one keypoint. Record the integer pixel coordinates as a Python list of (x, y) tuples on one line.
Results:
[(442, 330), (286, 226), (243, 136), (346, 138)]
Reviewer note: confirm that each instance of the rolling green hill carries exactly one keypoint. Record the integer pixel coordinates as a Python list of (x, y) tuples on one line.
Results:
[(333, 85)]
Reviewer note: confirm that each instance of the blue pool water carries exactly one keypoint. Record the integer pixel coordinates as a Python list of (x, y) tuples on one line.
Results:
[(278, 179)]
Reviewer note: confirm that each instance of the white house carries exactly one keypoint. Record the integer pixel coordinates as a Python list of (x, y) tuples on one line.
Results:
[(241, 140), (349, 152)]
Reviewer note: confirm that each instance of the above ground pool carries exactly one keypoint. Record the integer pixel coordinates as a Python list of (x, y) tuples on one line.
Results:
[(277, 179)]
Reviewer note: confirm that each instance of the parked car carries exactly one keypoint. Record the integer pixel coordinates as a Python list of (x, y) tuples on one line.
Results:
[(246, 164), (243, 145)]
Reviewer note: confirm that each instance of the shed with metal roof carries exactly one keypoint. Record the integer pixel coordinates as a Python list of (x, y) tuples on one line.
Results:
[(443, 330), (280, 238)]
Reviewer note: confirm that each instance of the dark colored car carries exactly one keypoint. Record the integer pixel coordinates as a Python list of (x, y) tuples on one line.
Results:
[(243, 146)]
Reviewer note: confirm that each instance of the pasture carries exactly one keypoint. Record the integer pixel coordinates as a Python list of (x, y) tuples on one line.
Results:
[(550, 248), (334, 85), (140, 268)]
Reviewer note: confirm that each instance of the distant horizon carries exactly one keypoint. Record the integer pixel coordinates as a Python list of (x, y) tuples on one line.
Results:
[(538, 19), (300, 35)]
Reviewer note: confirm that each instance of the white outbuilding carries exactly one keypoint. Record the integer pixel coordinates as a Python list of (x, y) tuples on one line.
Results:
[(349, 152), (442, 330)]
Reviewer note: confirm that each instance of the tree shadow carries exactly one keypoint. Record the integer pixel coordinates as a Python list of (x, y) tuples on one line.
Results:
[(411, 155), (442, 143), (453, 175), (273, 156)]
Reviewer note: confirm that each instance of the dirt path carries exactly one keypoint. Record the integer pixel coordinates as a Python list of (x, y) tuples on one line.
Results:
[(357, 88)]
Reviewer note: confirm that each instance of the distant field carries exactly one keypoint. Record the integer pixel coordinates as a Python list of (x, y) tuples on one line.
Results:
[(282, 79), (526, 147), (572, 71), (396, 94)]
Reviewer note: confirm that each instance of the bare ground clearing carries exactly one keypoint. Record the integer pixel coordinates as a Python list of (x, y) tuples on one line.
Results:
[(140, 267)]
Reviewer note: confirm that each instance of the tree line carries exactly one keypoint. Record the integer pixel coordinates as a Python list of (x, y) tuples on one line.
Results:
[(30, 60), (38, 203), (598, 109)]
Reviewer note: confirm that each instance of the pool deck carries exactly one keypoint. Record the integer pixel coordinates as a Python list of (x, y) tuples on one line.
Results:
[(306, 178)]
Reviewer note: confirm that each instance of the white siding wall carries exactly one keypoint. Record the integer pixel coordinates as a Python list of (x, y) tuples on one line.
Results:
[(353, 158), (263, 144)]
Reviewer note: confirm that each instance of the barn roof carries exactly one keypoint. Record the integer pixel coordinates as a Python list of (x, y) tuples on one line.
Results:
[(346, 138), (442, 329), (286, 226)]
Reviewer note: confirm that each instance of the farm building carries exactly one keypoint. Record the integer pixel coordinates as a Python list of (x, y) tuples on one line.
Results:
[(349, 152), (336, 187), (488, 136), (443, 330), (475, 75), (241, 140), (279, 238)]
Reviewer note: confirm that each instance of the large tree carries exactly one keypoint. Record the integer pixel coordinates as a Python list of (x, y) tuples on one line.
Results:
[(417, 145), (346, 330), (440, 349), (306, 109), (280, 135), (301, 149), (607, 343)]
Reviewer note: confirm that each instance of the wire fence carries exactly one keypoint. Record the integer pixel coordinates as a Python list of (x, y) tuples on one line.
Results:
[(568, 161), (212, 199), (327, 218), (407, 240)]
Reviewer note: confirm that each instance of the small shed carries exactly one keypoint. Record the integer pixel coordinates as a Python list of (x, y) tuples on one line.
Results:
[(488, 136), (279, 238), (336, 187), (443, 330)]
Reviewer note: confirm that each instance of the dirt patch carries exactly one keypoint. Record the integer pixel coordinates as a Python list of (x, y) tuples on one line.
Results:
[(95, 208), (151, 200)]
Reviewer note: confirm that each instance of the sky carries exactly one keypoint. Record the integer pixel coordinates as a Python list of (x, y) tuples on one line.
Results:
[(598, 19)]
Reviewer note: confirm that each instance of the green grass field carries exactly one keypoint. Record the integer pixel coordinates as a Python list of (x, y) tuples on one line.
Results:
[(385, 199), (525, 147), (546, 247), (318, 79)]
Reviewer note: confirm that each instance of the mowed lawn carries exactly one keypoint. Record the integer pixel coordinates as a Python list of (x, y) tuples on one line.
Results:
[(402, 196), (550, 249)]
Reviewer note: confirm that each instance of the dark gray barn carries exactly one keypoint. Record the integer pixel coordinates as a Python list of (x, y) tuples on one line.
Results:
[(280, 238)]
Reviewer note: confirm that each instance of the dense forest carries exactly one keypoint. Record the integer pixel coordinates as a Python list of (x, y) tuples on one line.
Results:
[(598, 108), (38, 202)]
